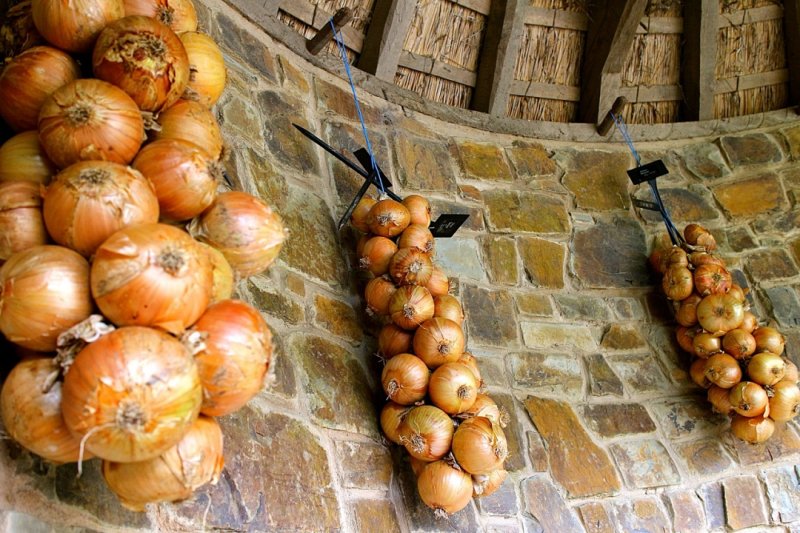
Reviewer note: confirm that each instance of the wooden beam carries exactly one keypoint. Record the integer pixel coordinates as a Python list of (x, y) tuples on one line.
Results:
[(791, 25), (325, 34), (608, 42), (700, 25), (383, 44), (501, 42)]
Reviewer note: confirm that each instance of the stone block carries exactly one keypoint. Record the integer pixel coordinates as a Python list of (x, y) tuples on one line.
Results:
[(627, 308), (602, 379), (783, 492), (245, 45), (547, 506), (683, 205), (530, 303), (611, 254), (596, 518), (513, 432), (641, 514), (293, 77), (784, 444), (705, 161), (781, 222), (548, 373), (483, 161), (744, 502), (581, 307), (364, 465), (500, 258), (769, 265), (543, 336), (629, 367), (704, 457), (794, 246), (375, 515), (285, 382), (475, 221), (785, 305), (687, 512), (424, 165), (738, 240), (338, 101), (239, 117), (589, 473), (598, 180), (526, 212), (751, 149), (537, 453), (531, 159), (543, 262), (681, 418), (792, 136), (460, 258), (622, 337), (750, 197), (287, 145), (489, 316), (714, 504), (348, 138), (502, 502), (274, 302), (614, 420), (338, 318), (645, 464)]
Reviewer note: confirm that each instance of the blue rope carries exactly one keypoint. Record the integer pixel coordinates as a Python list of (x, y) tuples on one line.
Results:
[(623, 129), (337, 37)]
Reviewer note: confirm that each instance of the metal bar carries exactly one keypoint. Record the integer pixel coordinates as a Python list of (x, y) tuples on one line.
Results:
[(354, 203)]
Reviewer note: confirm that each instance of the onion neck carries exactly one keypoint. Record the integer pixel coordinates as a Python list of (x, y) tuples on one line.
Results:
[(78, 114), (130, 416), (171, 260), (165, 15)]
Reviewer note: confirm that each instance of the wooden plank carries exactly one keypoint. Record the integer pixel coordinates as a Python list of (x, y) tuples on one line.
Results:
[(501, 42), (556, 18), (659, 93), (728, 85), (415, 62), (791, 25), (752, 81), (540, 16), (651, 25), (749, 16), (301, 10), (481, 6), (325, 34), (608, 42), (549, 91), (383, 43), (429, 65), (700, 26)]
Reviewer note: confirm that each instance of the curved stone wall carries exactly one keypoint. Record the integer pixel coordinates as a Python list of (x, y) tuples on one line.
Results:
[(607, 432)]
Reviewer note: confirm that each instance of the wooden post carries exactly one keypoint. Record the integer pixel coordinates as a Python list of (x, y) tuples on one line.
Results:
[(700, 28), (383, 43), (791, 31), (325, 33), (605, 126)]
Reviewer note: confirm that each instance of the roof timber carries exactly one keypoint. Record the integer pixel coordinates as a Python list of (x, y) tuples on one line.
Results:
[(383, 43), (791, 21), (700, 26)]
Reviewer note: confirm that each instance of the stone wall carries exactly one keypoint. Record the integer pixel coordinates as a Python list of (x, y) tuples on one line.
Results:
[(607, 431)]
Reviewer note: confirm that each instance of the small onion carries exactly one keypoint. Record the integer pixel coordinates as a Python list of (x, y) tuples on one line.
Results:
[(479, 446), (426, 432), (749, 399), (419, 209), (132, 394), (235, 356), (388, 218), (739, 343), (703, 258), (74, 25), (723, 370), (22, 158), (179, 15), (417, 236), (191, 121), (392, 416), (438, 341), (444, 488), (705, 345), (449, 307), (438, 284), (720, 313), (754, 430), (766, 368), (44, 291), (685, 337), (697, 235), (486, 407), (784, 404), (410, 306), (393, 340), (487, 484), (677, 283), (410, 266), (697, 371), (720, 400), (687, 311), (174, 475), (376, 255), (206, 67), (89, 201), (791, 373), (21, 222), (472, 362), (358, 219), (405, 379), (675, 256), (222, 274), (712, 279), (737, 292), (378, 293), (656, 260), (151, 275), (245, 229), (769, 340), (453, 388), (750, 322)]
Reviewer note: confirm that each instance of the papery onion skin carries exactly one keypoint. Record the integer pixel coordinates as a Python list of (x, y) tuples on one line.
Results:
[(89, 201), (739, 343), (438, 284), (207, 67), (705, 345), (784, 404), (453, 388), (419, 209), (444, 488), (720, 313), (447, 306), (21, 221), (438, 341), (426, 432), (174, 475), (132, 394), (90, 119), (393, 340), (410, 306), (686, 314), (22, 158), (245, 229), (712, 279), (769, 339), (237, 355), (410, 266), (677, 283), (378, 293), (749, 399), (179, 15), (193, 122), (479, 446), (697, 371), (754, 430), (32, 417), (376, 255), (766, 368), (486, 407), (358, 219), (222, 274), (417, 236), (405, 379), (27, 81), (488, 486), (74, 25), (44, 291), (392, 416), (723, 370), (388, 218), (17, 31), (151, 275), (144, 58), (719, 399)]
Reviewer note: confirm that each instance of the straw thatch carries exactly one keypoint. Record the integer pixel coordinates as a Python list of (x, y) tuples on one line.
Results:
[(652, 112), (665, 8), (580, 6), (729, 6), (434, 88), (751, 101), (528, 108)]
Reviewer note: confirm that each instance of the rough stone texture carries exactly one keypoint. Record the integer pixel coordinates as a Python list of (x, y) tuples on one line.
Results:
[(687, 512), (792, 136), (364, 465), (246, 46), (512, 211), (475, 221), (375, 515), (744, 502), (770, 265), (783, 493), (537, 453), (422, 165), (285, 143), (714, 504), (275, 303), (751, 149), (596, 518), (503, 502), (543, 501), (484, 161), (687, 417), (531, 159), (543, 262), (460, 257), (614, 420), (578, 306), (598, 263), (705, 160), (348, 138), (746, 198), (500, 258), (739, 240), (622, 337), (534, 304), (641, 515), (585, 474), (547, 372), (513, 432), (784, 443), (683, 205), (629, 368), (645, 464), (558, 336), (490, 316), (597, 179), (785, 305), (602, 379), (704, 457), (337, 317), (339, 101)]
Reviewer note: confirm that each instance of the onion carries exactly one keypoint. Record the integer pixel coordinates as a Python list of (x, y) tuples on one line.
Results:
[(754, 430), (748, 399), (487, 484), (449, 307), (750, 322), (723, 370), (712, 279), (656, 259), (393, 340), (405, 379), (479, 446), (677, 283), (32, 412), (174, 475), (388, 218), (377, 293), (444, 488), (44, 291), (453, 388), (438, 284), (685, 337), (769, 340), (392, 416), (410, 306), (246, 230), (23, 159), (417, 465), (27, 81), (75, 24), (193, 122), (426, 432), (90, 120), (410, 266), (222, 274), (419, 209), (739, 343), (376, 255), (766, 368), (438, 341), (89, 201), (675, 256), (359, 217), (471, 361), (697, 235), (184, 177), (720, 400), (720, 313), (21, 222), (705, 345), (784, 404), (687, 311), (179, 15), (417, 236), (697, 371), (132, 394), (486, 407), (17, 31), (737, 292), (703, 258), (206, 67), (151, 275), (791, 373), (144, 58)]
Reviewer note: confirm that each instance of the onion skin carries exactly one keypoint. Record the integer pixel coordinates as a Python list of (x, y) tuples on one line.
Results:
[(21, 221), (237, 355), (388, 218), (206, 65), (698, 373), (193, 122), (784, 404), (359, 217), (405, 379), (410, 306), (417, 236), (75, 24), (754, 430), (719, 399), (447, 306), (22, 158), (376, 255), (720, 313), (32, 417), (766, 368), (44, 291), (479, 446), (687, 311), (151, 275), (179, 15), (378, 293), (453, 388), (438, 284), (410, 266), (444, 488), (426, 432), (136, 390), (89, 201), (489, 484), (174, 475), (712, 279), (769, 340), (393, 340), (419, 209), (739, 343), (677, 283), (438, 341), (723, 370), (392, 416), (222, 274), (749, 399)]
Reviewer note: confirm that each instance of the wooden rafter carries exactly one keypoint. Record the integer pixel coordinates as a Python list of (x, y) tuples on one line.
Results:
[(700, 27), (791, 22), (383, 44), (501, 43), (608, 42)]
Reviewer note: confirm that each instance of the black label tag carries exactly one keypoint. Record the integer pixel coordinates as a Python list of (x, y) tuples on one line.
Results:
[(644, 204), (447, 225), (648, 172)]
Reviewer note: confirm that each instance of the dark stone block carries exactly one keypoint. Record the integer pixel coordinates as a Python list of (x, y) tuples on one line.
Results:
[(611, 254), (490, 316)]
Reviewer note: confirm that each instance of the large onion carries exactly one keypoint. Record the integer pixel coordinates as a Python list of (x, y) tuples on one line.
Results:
[(151, 275), (144, 58), (21, 222), (132, 394), (426, 432), (44, 291), (388, 218), (88, 201), (179, 15), (174, 475), (438, 341), (444, 488), (479, 446), (193, 122), (453, 388), (90, 120), (73, 25), (393, 340), (27, 81), (245, 229), (235, 357), (784, 404), (207, 68), (720, 313), (405, 379), (754, 430), (410, 306), (23, 159)]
